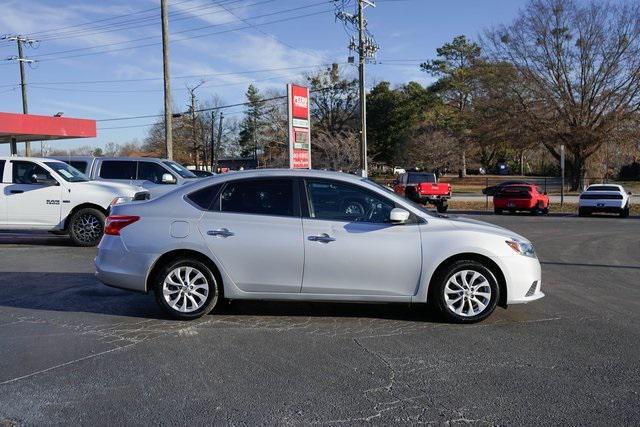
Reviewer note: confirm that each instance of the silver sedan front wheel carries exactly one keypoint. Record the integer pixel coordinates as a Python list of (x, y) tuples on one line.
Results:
[(467, 293)]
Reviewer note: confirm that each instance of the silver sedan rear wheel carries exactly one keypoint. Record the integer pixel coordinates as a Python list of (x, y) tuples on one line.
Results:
[(186, 289), (467, 293)]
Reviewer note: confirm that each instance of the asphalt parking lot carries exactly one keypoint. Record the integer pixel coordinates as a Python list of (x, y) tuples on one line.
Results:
[(75, 352)]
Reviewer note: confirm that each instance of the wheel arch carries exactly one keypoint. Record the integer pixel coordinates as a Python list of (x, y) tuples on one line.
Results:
[(75, 209), (182, 253), (482, 259)]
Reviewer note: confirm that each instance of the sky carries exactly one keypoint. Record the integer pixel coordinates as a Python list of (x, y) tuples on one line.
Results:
[(103, 59)]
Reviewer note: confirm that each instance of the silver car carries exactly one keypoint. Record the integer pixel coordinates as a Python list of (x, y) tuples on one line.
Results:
[(313, 236)]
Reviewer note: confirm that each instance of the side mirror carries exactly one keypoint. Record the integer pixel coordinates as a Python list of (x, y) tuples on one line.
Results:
[(44, 179), (398, 216), (167, 178)]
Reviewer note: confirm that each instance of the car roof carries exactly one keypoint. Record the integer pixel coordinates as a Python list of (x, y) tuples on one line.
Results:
[(260, 173), (38, 159)]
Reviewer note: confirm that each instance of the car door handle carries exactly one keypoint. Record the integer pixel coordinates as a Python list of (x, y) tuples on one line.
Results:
[(16, 191), (323, 238), (221, 232)]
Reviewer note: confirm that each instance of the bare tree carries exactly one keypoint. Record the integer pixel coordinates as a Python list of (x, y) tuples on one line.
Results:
[(429, 149), (335, 151), (579, 69)]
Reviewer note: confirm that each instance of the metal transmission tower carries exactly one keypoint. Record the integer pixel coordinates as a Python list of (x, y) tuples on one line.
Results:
[(20, 41), (366, 48)]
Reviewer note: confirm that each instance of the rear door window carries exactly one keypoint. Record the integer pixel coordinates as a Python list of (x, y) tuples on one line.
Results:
[(259, 197), (118, 169)]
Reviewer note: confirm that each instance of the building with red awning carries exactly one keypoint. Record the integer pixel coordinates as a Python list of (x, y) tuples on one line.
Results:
[(15, 128)]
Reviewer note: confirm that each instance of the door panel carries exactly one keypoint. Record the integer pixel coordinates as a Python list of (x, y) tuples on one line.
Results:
[(364, 258), (29, 203), (263, 254), (254, 230), (350, 247)]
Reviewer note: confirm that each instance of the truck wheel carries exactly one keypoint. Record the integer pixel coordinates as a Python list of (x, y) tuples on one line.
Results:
[(442, 207), (86, 227)]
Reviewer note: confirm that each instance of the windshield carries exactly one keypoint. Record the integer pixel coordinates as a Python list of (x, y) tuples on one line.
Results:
[(389, 190), (419, 178), (67, 172), (603, 188), (180, 170)]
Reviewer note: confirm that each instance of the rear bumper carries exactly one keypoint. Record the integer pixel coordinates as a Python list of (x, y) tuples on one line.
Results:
[(513, 204), (120, 268)]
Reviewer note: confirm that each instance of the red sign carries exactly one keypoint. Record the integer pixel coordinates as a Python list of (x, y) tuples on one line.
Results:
[(299, 124), (299, 102)]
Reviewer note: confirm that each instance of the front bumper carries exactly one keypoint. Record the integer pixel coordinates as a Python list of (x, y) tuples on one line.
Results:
[(523, 276), (118, 267)]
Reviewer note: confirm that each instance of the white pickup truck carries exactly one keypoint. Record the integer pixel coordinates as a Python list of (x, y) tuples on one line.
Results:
[(47, 194)]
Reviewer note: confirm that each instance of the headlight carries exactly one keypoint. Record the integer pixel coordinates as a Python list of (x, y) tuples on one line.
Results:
[(522, 248), (121, 199)]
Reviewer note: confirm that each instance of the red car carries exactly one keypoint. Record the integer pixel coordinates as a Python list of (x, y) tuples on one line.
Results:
[(523, 197)]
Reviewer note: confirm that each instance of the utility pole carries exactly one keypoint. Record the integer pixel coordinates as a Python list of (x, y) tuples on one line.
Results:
[(366, 48), (213, 139), (168, 119), (192, 93), (219, 139), (23, 77)]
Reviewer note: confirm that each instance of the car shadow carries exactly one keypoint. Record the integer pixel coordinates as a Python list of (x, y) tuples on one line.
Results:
[(34, 238), (573, 264), (82, 293)]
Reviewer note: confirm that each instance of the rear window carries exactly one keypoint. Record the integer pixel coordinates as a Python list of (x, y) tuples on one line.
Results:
[(603, 188), (118, 169), (417, 178), (514, 191), (80, 165), (205, 197)]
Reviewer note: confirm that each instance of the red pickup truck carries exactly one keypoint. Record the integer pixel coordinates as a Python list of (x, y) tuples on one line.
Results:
[(422, 187)]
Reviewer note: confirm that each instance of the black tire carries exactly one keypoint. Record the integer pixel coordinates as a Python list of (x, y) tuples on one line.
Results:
[(624, 213), (583, 212), (86, 227), (442, 207), (497, 211), (212, 298), (545, 211), (438, 300)]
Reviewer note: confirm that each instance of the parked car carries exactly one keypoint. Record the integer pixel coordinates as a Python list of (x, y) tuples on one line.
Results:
[(609, 198), (503, 169), (521, 197), (423, 187), (492, 190), (159, 176), (201, 173), (251, 235), (47, 194)]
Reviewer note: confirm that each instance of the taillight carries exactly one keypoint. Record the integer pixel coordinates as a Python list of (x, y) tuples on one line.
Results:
[(115, 223)]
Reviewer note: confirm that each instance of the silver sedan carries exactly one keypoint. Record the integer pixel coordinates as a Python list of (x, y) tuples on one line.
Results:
[(312, 236)]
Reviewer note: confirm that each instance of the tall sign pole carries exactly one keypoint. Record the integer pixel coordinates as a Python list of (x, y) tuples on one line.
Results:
[(298, 113), (562, 174), (363, 91), (168, 119)]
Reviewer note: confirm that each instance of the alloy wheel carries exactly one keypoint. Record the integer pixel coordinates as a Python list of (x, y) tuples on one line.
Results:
[(467, 293), (87, 228), (186, 289)]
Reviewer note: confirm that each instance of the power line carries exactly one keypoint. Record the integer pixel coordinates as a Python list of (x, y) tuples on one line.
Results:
[(137, 23), (174, 33), (191, 76)]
